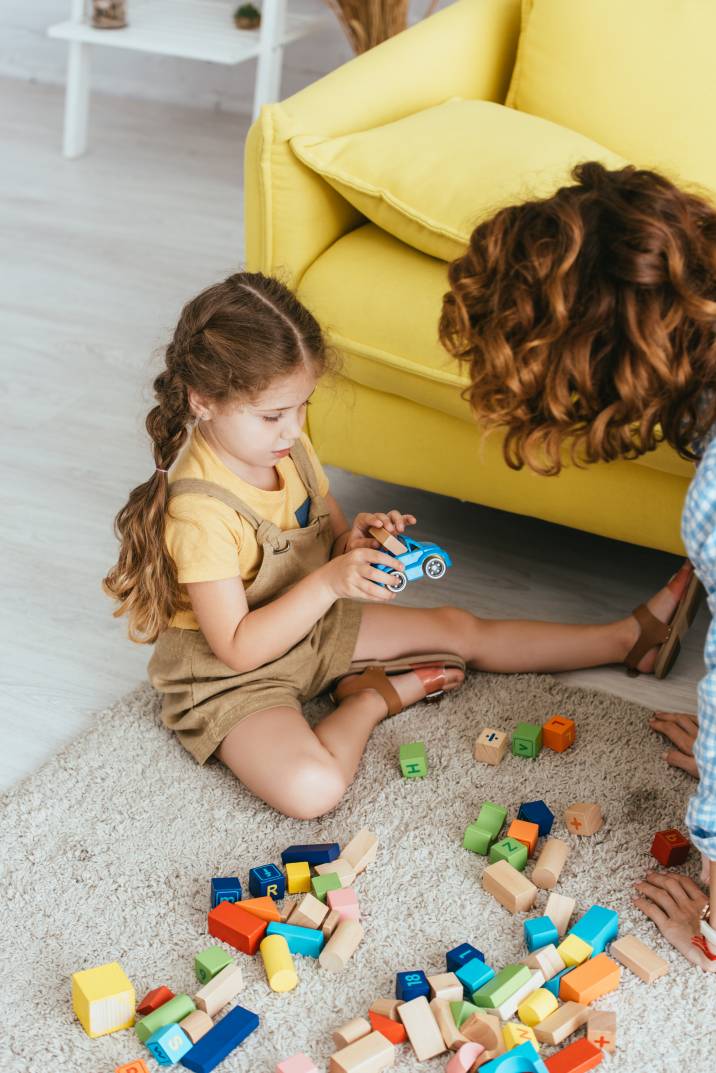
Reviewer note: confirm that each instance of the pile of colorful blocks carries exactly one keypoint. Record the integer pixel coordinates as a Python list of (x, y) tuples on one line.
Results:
[(527, 740)]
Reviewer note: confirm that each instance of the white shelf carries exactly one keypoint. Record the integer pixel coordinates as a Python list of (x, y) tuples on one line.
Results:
[(193, 29)]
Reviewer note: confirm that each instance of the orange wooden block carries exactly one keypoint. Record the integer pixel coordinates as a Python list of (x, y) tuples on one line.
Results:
[(525, 832), (590, 980), (153, 1000), (264, 908), (558, 733), (137, 1066), (392, 1030), (233, 925)]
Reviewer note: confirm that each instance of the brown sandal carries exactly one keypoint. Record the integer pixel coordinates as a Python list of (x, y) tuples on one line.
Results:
[(666, 635), (432, 675)]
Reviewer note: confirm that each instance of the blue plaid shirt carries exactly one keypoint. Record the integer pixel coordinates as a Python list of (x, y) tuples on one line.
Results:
[(698, 530)]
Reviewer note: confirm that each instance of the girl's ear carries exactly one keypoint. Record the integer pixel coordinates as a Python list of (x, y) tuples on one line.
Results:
[(198, 406)]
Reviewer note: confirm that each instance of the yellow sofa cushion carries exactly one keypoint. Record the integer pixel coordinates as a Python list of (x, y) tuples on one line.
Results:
[(431, 177), (638, 76)]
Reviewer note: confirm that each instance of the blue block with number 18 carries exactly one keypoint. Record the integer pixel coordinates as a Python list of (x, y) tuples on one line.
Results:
[(410, 985)]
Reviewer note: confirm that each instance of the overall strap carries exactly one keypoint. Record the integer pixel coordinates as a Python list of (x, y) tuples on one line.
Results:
[(300, 459), (266, 532)]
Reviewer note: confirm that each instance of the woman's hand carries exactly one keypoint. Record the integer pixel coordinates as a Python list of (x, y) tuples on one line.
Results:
[(359, 536), (353, 575), (681, 730), (675, 904)]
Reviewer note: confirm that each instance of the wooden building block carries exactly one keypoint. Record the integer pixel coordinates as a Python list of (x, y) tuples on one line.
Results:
[(305, 941), (168, 1044), (413, 760), (559, 909), (513, 1034), (453, 1038), (539, 932), (371, 1054), (287, 909), (670, 847), (491, 746), (527, 740), (491, 817), (387, 1007), (511, 889), (522, 1059), (590, 981), (330, 924), (445, 985), (459, 955), (485, 1028), (597, 927), (409, 985), (583, 818), (547, 960), (506, 982), (267, 879), (233, 925), (225, 889), (476, 839), (103, 999), (392, 1030), (422, 1028), (170, 1013), (464, 1058), (537, 812), (297, 1063), (220, 990), (537, 1007), (602, 1029), (309, 913), (548, 866), (558, 733), (196, 1024), (322, 884), (577, 1057), (340, 867), (639, 957), (280, 969), (137, 1065), (298, 878), (562, 1023), (509, 1007), (314, 853), (228, 1032), (387, 540), (154, 999), (525, 832), (510, 850), (361, 850), (351, 1031), (341, 946), (264, 908), (208, 963), (573, 951), (344, 902)]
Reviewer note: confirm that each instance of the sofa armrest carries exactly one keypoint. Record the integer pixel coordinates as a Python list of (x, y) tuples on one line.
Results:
[(291, 214)]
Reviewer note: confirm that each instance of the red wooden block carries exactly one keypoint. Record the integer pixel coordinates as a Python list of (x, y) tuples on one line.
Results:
[(577, 1057), (392, 1030), (558, 733), (233, 925), (670, 847), (154, 999)]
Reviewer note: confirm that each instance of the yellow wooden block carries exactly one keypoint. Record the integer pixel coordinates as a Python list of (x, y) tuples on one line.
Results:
[(298, 876), (513, 1035), (537, 1006), (573, 951), (103, 999)]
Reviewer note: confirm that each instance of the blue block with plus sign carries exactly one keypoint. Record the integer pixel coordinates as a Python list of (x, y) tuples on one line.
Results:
[(267, 879), (460, 954), (539, 932), (597, 927), (522, 1059), (473, 975), (537, 812), (410, 985), (225, 889)]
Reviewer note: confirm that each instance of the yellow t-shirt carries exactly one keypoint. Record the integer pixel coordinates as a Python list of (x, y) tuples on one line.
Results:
[(208, 540)]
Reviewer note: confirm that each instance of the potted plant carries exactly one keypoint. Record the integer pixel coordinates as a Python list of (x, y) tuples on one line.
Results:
[(369, 22), (247, 17), (109, 14)]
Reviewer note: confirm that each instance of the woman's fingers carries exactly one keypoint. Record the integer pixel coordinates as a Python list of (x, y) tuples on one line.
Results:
[(660, 897), (683, 735), (681, 719), (676, 758), (652, 912), (682, 888)]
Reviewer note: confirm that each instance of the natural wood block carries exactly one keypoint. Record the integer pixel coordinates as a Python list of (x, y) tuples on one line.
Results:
[(491, 746), (602, 1029), (342, 868), (546, 959), (639, 957), (583, 818), (577, 1057), (509, 887), (549, 865), (387, 1007), (537, 1007), (309, 913), (422, 1028), (196, 1024), (589, 981), (562, 1023), (367, 1055), (387, 540), (445, 985), (220, 990), (341, 946), (330, 924), (361, 850), (392, 1030), (559, 909), (452, 1036), (351, 1031), (525, 832), (486, 1029)]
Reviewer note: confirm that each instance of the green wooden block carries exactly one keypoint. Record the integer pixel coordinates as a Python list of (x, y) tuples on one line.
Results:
[(491, 818), (211, 961), (322, 884), (510, 850), (171, 1012), (413, 760), (527, 740), (477, 840), (461, 1011), (500, 987)]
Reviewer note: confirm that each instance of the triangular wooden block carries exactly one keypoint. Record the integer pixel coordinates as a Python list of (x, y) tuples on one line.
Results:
[(264, 908)]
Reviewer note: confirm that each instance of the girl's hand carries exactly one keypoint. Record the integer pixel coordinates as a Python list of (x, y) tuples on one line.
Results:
[(681, 730), (393, 521), (353, 575), (675, 904)]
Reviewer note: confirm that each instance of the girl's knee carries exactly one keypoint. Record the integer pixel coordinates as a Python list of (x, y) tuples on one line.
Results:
[(460, 626), (311, 788)]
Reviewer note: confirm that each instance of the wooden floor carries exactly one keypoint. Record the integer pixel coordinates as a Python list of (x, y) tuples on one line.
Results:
[(100, 254)]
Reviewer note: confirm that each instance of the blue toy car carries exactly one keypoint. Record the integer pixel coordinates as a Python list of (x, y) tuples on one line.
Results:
[(419, 560)]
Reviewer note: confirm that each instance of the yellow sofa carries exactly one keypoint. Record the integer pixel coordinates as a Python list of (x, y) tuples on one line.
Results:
[(636, 78)]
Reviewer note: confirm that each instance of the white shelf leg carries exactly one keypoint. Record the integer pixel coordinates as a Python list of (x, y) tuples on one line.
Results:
[(77, 100), (268, 70)]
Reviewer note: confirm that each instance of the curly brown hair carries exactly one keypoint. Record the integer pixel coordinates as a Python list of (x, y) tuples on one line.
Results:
[(589, 318)]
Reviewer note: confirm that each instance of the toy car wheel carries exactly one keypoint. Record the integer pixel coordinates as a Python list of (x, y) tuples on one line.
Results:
[(434, 567), (397, 581)]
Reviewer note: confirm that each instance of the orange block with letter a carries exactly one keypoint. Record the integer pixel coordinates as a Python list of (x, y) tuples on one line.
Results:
[(558, 733)]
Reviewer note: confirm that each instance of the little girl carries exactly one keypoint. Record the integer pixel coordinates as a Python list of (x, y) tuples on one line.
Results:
[(239, 563), (588, 320)]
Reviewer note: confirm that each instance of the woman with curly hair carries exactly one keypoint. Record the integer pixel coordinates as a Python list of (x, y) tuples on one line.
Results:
[(587, 321)]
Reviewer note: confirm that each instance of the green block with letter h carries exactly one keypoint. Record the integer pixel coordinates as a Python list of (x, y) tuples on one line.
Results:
[(413, 760)]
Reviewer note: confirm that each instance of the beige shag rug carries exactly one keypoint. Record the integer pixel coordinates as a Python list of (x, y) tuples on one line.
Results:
[(107, 854)]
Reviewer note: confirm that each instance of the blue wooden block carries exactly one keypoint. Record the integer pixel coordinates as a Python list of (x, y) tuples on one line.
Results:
[(267, 879), (553, 984), (306, 941), (522, 1059), (314, 854), (410, 985), (225, 890), (539, 932), (597, 927), (168, 1044), (220, 1041), (537, 812), (473, 974), (460, 954)]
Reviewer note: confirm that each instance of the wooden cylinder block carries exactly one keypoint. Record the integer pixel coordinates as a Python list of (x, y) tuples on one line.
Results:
[(341, 946), (550, 863), (196, 1025)]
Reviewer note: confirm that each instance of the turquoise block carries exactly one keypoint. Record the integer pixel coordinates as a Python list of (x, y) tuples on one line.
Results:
[(473, 975), (527, 740), (512, 851), (539, 932), (306, 941), (597, 927), (168, 1044), (522, 1059), (553, 984)]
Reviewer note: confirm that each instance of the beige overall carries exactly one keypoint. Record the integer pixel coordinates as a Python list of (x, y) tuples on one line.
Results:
[(203, 697)]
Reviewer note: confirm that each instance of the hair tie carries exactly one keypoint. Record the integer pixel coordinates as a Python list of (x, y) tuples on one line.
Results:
[(160, 470)]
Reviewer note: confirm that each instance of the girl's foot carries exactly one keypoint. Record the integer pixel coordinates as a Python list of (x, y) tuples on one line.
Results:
[(409, 686), (681, 730), (662, 606)]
